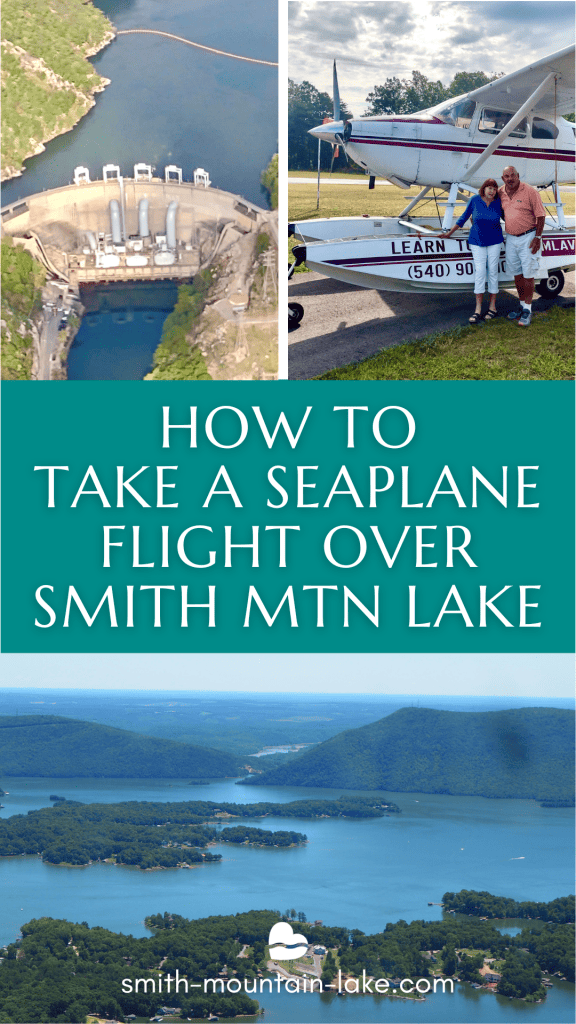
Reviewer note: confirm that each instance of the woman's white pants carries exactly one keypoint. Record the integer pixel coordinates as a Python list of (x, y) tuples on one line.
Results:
[(486, 256)]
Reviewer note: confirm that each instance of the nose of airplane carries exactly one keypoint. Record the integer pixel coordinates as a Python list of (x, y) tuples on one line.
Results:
[(328, 132)]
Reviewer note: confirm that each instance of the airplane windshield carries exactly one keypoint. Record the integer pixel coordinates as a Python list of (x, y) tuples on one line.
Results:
[(493, 121), (457, 114)]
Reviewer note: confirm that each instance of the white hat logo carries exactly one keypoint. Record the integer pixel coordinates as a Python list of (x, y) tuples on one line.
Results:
[(284, 944)]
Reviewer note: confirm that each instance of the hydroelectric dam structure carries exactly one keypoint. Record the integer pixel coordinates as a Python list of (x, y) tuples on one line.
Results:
[(139, 228)]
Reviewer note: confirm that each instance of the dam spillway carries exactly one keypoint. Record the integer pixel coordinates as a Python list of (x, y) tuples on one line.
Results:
[(69, 221)]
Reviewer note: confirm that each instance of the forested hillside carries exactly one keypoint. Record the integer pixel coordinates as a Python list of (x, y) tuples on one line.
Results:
[(47, 82), (526, 753), (177, 357), (22, 279), (50, 746)]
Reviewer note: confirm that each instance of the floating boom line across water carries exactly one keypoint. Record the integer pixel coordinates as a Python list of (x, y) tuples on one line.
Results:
[(180, 39)]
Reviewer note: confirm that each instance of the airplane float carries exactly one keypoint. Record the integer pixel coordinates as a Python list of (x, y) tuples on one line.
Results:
[(453, 146)]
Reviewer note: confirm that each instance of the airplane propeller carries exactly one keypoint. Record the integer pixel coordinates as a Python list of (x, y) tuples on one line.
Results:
[(336, 111), (336, 93)]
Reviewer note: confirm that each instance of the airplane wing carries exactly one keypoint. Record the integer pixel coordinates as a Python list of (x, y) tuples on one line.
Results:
[(513, 90)]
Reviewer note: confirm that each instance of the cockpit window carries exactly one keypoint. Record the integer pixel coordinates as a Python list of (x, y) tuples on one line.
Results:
[(457, 114), (542, 129), (493, 121)]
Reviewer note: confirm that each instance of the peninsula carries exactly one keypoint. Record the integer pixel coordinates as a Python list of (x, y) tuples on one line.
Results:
[(168, 835), (48, 84), (56, 968)]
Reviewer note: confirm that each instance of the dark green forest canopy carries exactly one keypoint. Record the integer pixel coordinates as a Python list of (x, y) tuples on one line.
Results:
[(159, 834), (62, 971), (56, 747), (526, 753)]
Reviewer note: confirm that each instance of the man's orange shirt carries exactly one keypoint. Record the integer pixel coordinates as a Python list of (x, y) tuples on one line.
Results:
[(521, 209)]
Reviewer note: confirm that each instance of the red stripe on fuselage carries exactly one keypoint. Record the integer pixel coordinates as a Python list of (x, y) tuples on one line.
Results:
[(562, 155)]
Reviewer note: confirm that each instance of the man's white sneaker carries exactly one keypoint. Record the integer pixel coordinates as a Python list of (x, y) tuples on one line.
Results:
[(525, 318)]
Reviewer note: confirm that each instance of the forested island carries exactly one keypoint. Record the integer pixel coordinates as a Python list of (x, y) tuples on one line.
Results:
[(153, 835), (526, 753), (47, 82), (484, 904), (60, 971)]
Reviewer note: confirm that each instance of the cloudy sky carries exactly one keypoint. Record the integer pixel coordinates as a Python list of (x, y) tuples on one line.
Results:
[(518, 675), (372, 40)]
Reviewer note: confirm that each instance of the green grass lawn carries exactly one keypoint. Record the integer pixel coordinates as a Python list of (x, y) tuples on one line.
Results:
[(500, 350), (356, 200)]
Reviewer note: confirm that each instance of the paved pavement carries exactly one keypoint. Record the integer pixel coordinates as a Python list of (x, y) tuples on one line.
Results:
[(343, 323), (48, 340)]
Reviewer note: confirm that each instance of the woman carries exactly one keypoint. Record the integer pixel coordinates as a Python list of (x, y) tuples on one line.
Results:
[(485, 239)]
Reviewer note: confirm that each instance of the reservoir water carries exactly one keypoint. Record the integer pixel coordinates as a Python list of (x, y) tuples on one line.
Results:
[(168, 103), (357, 873)]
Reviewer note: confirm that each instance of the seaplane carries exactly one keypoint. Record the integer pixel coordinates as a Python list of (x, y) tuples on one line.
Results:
[(450, 149)]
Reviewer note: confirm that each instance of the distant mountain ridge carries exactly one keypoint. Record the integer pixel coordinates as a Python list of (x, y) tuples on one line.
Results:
[(50, 746), (522, 753)]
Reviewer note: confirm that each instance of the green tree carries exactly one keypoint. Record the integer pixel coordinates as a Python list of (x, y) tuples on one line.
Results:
[(387, 98), (422, 93), (449, 960), (269, 179), (307, 108), (467, 81)]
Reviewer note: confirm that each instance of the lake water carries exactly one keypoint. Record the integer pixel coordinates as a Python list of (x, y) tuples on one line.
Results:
[(356, 873), (173, 104)]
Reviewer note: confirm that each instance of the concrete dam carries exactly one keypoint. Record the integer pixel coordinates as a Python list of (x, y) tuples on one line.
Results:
[(142, 228)]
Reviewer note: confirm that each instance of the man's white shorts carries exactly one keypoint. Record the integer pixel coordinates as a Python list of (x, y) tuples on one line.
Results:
[(519, 258)]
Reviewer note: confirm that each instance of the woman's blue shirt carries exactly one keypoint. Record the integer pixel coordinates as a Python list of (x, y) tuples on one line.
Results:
[(486, 229)]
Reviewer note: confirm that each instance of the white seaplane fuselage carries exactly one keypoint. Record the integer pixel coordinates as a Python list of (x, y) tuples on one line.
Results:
[(438, 148), (425, 149)]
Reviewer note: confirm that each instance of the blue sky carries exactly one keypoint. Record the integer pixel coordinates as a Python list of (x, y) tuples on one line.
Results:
[(372, 40), (518, 675)]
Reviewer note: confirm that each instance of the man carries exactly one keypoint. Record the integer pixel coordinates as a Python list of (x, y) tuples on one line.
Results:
[(524, 216)]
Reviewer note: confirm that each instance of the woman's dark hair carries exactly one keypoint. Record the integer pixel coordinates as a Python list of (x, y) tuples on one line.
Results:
[(489, 181)]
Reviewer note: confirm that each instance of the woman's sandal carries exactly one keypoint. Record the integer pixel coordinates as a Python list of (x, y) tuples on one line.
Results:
[(491, 314), (476, 318)]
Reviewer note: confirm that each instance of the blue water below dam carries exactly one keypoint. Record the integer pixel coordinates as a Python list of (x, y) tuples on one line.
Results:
[(120, 331)]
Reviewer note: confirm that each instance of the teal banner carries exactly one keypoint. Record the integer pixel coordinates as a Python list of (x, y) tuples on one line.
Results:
[(289, 516)]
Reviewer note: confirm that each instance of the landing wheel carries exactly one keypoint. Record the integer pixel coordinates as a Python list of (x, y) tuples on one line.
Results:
[(295, 314), (552, 286)]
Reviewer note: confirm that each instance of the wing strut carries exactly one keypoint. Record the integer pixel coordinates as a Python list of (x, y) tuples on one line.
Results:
[(512, 123), (416, 199)]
